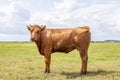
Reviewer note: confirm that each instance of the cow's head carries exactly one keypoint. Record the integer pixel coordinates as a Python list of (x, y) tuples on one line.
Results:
[(35, 31)]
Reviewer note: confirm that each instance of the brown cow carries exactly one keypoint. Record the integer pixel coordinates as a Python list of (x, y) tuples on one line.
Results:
[(61, 40)]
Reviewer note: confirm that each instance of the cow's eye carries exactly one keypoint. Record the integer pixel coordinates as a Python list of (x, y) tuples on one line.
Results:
[(37, 32)]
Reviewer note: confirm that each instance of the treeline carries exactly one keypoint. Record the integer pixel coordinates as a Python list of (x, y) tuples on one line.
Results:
[(108, 41)]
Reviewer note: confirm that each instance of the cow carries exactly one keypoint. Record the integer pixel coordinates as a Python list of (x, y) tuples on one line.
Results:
[(63, 40)]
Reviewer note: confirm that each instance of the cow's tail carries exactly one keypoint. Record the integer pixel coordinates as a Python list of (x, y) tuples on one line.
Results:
[(87, 28)]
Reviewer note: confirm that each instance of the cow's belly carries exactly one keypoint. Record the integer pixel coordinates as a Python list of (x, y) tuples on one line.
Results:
[(63, 48)]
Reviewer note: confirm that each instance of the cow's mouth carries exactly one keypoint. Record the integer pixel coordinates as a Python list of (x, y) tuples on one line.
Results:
[(33, 39)]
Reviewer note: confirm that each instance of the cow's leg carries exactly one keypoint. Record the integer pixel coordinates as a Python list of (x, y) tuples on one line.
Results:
[(47, 62), (84, 58)]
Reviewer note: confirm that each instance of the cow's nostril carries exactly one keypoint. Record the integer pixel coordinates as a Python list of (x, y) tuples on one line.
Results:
[(33, 39)]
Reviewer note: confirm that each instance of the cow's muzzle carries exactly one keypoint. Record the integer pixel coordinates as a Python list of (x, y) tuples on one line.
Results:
[(33, 39)]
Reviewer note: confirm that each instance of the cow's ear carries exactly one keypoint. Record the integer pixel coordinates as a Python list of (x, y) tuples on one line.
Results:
[(43, 27), (28, 28)]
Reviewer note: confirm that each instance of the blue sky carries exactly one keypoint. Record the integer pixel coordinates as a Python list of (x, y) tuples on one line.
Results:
[(103, 17)]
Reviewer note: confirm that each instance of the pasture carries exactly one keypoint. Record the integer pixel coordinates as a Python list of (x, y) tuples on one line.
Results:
[(21, 61)]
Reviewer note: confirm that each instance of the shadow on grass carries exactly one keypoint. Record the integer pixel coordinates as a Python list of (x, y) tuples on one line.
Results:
[(73, 75)]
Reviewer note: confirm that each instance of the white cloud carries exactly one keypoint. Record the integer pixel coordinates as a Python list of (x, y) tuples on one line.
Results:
[(13, 21), (66, 5), (55, 16), (14, 17)]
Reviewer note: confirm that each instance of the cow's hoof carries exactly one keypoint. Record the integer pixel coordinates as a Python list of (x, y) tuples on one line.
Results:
[(47, 71), (83, 73)]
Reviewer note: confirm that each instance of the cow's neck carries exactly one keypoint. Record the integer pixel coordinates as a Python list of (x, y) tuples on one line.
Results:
[(39, 46)]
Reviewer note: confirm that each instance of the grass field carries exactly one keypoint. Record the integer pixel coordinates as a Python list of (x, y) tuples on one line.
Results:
[(21, 61)]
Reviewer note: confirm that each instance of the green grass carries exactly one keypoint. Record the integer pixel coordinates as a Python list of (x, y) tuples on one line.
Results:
[(21, 61)]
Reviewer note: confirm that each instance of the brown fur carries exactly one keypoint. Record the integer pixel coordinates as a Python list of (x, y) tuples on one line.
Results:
[(61, 40)]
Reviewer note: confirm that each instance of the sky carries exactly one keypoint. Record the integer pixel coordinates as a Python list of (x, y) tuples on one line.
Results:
[(102, 16)]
